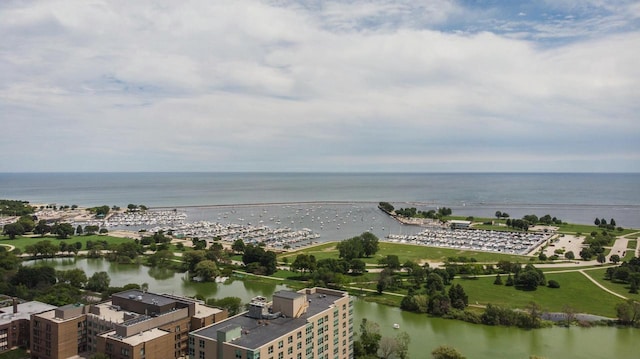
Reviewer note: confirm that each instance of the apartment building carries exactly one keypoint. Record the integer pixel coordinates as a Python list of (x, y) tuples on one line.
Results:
[(14, 322), (133, 324), (313, 323)]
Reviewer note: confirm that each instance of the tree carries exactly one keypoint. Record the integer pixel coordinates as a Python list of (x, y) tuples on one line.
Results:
[(434, 284), (614, 258), (369, 243), (586, 254), (391, 261), (79, 230), (27, 222), (601, 258), (569, 314), (191, 258), (569, 255), (458, 297), (63, 230), (498, 214), (386, 206), (529, 278), (75, 277), (42, 228), (207, 270), (498, 280), (233, 305), (13, 230), (446, 352), (160, 258), (396, 347), (628, 312), (370, 336), (98, 282), (357, 266), (509, 282), (304, 263), (597, 222), (238, 246)]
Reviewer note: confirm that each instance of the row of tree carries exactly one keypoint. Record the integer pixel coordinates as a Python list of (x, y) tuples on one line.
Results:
[(15, 208), (628, 273), (364, 245), (602, 223), (414, 212)]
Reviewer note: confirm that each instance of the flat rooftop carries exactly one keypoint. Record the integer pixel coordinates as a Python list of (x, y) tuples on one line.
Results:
[(145, 297), (108, 312), (138, 338), (258, 332), (24, 311), (203, 311)]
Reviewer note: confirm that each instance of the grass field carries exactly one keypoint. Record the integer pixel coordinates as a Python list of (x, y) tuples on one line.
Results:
[(22, 242), (575, 290), (15, 354), (620, 288), (406, 252), (631, 250)]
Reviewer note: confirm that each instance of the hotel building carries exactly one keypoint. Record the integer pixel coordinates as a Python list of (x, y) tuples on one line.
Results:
[(313, 323)]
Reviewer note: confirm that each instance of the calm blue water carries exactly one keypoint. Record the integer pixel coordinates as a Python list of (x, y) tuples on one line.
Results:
[(572, 197)]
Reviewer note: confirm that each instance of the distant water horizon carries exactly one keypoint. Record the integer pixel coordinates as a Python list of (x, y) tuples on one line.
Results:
[(574, 197)]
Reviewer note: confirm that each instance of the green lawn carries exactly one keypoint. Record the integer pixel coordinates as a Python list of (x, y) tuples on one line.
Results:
[(631, 250), (15, 354), (620, 288), (22, 242), (406, 252), (575, 290)]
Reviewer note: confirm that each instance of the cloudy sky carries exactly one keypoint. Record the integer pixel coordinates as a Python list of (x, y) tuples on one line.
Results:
[(310, 85)]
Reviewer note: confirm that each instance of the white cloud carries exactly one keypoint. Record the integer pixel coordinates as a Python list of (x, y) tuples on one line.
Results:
[(249, 85)]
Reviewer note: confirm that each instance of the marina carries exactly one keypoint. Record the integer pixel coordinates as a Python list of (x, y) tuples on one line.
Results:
[(475, 239), (277, 227)]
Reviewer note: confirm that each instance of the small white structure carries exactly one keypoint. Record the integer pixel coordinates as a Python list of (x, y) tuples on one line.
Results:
[(457, 224)]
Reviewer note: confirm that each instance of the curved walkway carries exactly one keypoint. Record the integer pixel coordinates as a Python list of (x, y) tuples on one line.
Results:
[(601, 286), (11, 247)]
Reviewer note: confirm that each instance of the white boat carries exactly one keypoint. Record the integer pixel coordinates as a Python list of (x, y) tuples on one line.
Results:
[(396, 326)]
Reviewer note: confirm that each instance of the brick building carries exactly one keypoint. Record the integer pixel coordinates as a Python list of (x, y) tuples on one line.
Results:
[(14, 323), (313, 323), (133, 324)]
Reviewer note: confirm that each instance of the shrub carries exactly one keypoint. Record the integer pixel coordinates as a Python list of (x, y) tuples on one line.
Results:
[(553, 284)]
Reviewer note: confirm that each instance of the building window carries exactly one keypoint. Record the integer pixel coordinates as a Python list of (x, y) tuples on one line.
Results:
[(280, 355), (201, 355), (290, 339), (280, 344), (270, 349), (238, 354), (299, 345), (290, 350), (299, 335), (201, 344)]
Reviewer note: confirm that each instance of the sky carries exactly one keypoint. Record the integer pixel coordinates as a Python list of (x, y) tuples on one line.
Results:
[(326, 86)]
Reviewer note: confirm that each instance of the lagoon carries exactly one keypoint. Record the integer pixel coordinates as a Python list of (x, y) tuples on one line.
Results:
[(475, 341)]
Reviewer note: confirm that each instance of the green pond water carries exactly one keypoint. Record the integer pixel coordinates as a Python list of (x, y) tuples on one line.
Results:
[(474, 341)]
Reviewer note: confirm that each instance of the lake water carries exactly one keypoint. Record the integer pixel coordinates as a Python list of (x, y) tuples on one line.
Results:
[(573, 197), (475, 341)]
